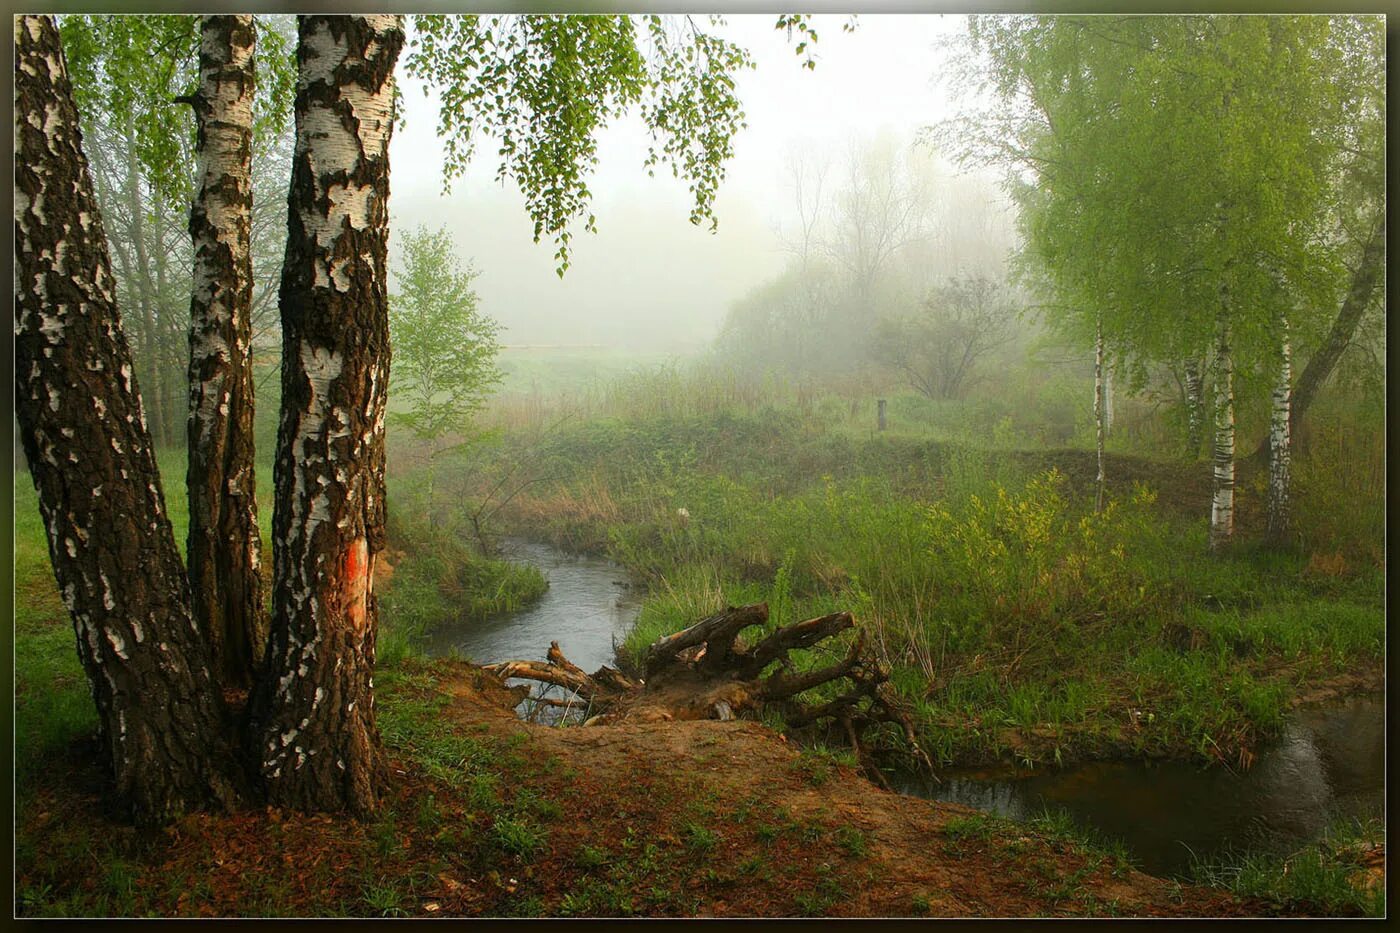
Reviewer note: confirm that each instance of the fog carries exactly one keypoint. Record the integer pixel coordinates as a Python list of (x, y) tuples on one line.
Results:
[(648, 279)]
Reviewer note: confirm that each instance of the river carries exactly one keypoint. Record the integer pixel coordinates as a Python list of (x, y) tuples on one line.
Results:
[(1329, 763)]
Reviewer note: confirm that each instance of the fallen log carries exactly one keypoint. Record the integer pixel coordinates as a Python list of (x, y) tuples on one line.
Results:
[(706, 671)]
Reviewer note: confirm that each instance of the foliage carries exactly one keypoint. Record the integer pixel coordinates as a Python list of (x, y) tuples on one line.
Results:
[(545, 86), (1175, 172), (444, 347), (132, 68), (139, 144)]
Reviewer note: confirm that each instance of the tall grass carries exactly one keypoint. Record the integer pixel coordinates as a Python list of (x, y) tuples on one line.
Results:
[(998, 595)]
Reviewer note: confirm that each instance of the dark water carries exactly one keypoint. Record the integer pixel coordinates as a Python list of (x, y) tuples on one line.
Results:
[(1329, 763), (585, 610)]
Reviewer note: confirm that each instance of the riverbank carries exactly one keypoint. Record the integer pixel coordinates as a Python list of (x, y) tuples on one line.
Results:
[(490, 816), (1019, 624)]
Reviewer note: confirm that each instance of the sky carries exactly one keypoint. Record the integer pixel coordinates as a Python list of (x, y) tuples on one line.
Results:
[(649, 280)]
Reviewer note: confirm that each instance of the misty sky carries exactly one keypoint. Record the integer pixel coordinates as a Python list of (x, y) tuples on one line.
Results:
[(649, 279)]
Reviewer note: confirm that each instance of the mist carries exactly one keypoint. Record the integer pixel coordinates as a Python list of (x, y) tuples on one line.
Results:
[(648, 280)]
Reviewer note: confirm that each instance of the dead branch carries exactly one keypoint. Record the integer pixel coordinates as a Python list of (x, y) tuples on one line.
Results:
[(705, 671)]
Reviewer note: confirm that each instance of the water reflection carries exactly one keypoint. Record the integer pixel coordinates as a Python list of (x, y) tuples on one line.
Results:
[(1328, 764)]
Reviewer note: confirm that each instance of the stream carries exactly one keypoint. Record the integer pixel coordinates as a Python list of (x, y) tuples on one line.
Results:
[(1328, 764)]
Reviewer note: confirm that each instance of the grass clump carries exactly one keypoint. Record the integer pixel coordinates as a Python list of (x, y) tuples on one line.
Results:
[(1342, 874)]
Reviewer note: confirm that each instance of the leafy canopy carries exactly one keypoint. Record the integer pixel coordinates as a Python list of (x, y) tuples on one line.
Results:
[(545, 85), (132, 68), (444, 347), (1171, 171)]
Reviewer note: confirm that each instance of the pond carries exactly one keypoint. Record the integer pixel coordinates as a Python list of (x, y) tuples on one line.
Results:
[(1328, 764)]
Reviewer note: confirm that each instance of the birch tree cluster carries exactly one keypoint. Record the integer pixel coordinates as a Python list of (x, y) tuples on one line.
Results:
[(131, 78), (1197, 195), (203, 702)]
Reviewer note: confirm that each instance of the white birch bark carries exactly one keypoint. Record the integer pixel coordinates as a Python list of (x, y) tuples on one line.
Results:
[(1222, 506), (224, 548), (1195, 408), (1107, 402), (1280, 439), (1100, 411), (313, 719)]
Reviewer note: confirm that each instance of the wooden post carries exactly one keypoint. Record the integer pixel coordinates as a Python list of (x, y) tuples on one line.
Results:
[(880, 405)]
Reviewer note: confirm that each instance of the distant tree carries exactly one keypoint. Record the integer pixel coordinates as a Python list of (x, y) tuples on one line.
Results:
[(444, 347), (871, 233), (940, 346)]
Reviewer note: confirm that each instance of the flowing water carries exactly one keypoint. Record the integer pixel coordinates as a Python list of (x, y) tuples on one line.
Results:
[(589, 605), (1328, 764)]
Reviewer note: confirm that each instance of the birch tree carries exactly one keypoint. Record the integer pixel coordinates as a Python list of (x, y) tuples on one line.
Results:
[(207, 63), (313, 717), (1179, 166), (312, 737), (162, 723), (224, 549)]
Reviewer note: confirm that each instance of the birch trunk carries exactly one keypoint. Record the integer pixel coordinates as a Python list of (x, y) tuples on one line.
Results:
[(161, 718), (318, 747), (1195, 409), (1100, 411), (1280, 439), (1107, 402), (1365, 279), (223, 548), (1222, 506)]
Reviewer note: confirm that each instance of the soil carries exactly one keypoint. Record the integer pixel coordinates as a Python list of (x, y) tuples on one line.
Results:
[(661, 818), (910, 863)]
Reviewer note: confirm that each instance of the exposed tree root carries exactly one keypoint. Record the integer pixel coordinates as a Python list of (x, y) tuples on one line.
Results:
[(707, 672)]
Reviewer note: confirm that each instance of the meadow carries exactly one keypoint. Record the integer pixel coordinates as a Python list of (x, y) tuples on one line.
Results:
[(1017, 621)]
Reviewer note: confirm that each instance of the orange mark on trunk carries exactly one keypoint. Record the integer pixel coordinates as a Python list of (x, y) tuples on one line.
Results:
[(355, 572)]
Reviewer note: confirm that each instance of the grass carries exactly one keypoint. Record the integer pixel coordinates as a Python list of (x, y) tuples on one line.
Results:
[(1320, 878), (1017, 622), (435, 578)]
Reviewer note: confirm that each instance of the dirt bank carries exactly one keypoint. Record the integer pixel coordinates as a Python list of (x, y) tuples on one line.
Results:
[(490, 816), (818, 837)]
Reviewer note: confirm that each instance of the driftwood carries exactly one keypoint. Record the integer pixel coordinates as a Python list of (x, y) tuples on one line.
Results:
[(707, 671)]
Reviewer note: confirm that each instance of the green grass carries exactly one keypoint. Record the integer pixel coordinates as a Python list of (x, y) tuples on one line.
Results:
[(1001, 600), (1317, 878), (441, 578)]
